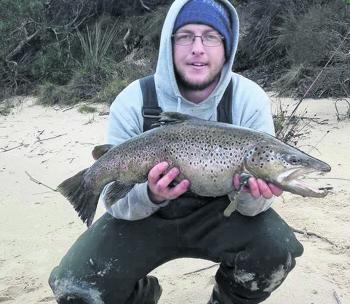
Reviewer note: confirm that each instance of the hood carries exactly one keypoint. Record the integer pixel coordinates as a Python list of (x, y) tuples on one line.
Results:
[(165, 80)]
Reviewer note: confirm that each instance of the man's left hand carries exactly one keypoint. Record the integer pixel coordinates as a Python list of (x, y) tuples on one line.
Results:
[(258, 187)]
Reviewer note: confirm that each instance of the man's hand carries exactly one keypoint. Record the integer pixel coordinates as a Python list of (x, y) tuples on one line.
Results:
[(258, 187), (159, 183)]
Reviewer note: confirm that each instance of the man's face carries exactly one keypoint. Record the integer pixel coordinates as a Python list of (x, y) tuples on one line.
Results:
[(198, 66)]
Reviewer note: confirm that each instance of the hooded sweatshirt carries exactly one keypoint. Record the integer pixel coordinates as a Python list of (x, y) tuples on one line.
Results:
[(250, 108)]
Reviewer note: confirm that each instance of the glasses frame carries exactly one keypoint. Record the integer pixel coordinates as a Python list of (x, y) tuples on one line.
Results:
[(199, 36)]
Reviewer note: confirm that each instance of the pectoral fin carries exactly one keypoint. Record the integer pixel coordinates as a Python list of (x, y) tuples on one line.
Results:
[(244, 177), (232, 206)]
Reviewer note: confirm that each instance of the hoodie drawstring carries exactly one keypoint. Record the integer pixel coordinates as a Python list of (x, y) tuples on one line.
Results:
[(178, 107)]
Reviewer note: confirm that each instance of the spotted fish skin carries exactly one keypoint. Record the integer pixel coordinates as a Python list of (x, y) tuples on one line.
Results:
[(207, 153)]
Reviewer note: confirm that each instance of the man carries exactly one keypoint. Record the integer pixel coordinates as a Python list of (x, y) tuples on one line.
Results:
[(158, 221)]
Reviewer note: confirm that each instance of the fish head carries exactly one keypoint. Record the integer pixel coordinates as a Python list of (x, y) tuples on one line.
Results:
[(285, 166)]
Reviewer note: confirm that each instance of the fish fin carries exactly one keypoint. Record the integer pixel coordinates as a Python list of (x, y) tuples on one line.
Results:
[(244, 177), (100, 150), (166, 118), (231, 207), (115, 192), (83, 200)]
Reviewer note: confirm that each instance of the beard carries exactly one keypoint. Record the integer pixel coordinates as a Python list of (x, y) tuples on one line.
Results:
[(185, 83)]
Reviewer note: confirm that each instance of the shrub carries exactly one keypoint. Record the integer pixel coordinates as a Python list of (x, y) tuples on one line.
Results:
[(289, 43)]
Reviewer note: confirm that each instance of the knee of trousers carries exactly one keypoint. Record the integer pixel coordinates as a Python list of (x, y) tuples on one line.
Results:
[(67, 289), (259, 268)]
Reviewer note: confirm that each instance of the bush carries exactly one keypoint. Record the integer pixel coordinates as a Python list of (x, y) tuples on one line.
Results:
[(91, 50), (51, 94), (289, 43)]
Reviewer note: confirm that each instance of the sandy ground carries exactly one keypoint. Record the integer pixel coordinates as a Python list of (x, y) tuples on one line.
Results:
[(37, 225)]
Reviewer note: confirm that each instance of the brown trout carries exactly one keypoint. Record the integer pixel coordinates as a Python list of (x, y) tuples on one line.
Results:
[(207, 153)]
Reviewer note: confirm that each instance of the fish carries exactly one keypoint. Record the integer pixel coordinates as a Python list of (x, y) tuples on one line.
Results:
[(207, 153)]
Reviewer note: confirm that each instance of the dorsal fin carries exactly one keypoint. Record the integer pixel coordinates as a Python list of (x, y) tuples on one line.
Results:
[(166, 118), (98, 151)]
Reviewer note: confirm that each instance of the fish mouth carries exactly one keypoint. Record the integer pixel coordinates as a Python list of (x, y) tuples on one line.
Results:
[(292, 181)]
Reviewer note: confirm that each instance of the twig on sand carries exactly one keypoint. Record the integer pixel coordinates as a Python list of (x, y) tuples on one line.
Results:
[(52, 137), (202, 269), (319, 141), (67, 109), (9, 149), (39, 182), (38, 136), (103, 113), (337, 297), (342, 116), (335, 178), (304, 232)]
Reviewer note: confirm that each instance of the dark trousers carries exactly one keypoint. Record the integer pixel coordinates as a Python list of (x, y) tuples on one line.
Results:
[(109, 262)]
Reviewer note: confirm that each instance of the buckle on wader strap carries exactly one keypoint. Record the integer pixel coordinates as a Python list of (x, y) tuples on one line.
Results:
[(151, 112)]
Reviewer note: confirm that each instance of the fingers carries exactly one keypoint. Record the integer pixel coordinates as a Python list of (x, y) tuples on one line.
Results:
[(179, 189), (264, 189), (155, 173), (254, 187), (236, 181), (159, 183), (276, 191), (258, 187)]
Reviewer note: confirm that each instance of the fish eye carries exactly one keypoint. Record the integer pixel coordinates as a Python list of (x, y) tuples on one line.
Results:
[(292, 159)]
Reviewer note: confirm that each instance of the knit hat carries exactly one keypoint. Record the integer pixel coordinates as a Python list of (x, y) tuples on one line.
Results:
[(208, 12)]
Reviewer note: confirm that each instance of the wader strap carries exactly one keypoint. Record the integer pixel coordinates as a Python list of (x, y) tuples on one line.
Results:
[(151, 109), (224, 109)]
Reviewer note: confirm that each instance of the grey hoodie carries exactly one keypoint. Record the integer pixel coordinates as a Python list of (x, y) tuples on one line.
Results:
[(250, 108)]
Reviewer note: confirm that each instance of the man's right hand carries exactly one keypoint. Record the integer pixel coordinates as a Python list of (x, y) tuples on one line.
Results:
[(159, 183)]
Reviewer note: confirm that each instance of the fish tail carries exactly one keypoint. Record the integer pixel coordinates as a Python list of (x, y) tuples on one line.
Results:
[(80, 196)]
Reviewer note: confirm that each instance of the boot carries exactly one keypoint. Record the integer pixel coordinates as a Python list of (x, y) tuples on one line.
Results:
[(219, 297), (147, 291)]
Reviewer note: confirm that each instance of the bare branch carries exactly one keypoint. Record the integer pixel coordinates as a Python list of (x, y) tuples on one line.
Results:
[(9, 149), (40, 140), (125, 38), (304, 232), (202, 269), (336, 297), (145, 6), (340, 116), (20, 46), (39, 182)]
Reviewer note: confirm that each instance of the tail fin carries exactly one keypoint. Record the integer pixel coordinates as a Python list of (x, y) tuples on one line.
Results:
[(80, 196)]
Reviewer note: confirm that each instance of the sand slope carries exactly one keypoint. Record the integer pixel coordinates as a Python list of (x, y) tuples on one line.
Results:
[(37, 225)]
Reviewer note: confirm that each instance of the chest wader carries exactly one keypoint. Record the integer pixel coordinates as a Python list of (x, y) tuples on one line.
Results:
[(110, 262)]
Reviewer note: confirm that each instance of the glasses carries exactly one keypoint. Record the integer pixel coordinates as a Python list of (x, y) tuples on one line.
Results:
[(208, 39)]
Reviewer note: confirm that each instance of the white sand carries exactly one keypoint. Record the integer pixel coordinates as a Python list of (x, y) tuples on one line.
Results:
[(37, 225)]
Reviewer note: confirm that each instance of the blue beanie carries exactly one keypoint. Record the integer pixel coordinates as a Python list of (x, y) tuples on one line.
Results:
[(207, 12)]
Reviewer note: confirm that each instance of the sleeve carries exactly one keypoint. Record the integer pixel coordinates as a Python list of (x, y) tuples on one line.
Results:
[(134, 206), (254, 110), (125, 122)]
